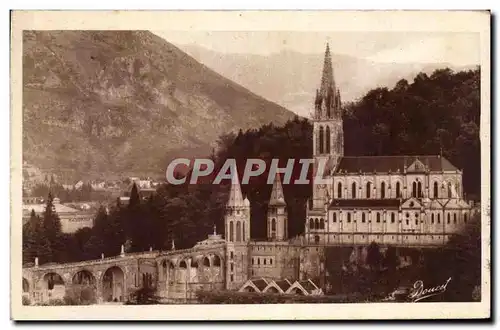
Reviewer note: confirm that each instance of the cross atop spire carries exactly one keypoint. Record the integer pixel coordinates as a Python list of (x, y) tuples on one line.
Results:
[(327, 81)]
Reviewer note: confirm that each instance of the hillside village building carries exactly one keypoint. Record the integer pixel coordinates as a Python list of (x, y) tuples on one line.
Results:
[(71, 218), (403, 201)]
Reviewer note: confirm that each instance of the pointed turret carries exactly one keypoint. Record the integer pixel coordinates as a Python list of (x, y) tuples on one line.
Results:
[(277, 223), (327, 81), (235, 195), (277, 196)]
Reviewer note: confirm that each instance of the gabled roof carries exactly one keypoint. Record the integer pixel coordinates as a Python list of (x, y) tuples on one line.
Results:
[(280, 285), (307, 287), (370, 203), (260, 283), (412, 203), (385, 164)]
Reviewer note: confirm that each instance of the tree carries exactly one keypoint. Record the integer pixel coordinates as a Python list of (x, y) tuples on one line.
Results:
[(373, 256), (391, 260)]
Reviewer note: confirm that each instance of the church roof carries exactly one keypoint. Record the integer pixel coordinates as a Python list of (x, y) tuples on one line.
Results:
[(385, 164), (373, 203)]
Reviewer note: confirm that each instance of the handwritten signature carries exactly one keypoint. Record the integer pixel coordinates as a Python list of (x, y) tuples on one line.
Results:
[(419, 292)]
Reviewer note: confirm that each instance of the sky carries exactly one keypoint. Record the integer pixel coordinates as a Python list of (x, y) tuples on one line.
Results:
[(399, 47)]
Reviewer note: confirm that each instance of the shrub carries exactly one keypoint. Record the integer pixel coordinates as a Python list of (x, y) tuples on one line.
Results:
[(80, 295), (144, 296), (26, 301)]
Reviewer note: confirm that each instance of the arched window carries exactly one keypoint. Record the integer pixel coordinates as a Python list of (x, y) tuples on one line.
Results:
[(334, 217), (273, 224), (339, 190), (449, 190), (311, 223), (354, 190), (238, 231), (322, 223), (465, 217), (243, 237), (327, 138), (414, 190), (435, 189), (419, 192), (348, 217), (258, 261), (439, 217), (206, 262), (454, 218), (432, 218), (231, 231), (398, 190), (316, 223), (321, 140), (393, 218), (363, 217), (448, 220), (368, 189), (378, 217), (382, 190)]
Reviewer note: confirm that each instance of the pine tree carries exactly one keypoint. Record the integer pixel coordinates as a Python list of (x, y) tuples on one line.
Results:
[(52, 235)]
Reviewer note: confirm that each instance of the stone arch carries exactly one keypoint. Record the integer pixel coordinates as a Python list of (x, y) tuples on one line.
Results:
[(84, 277), (113, 284), (238, 231), (217, 261), (231, 231), (398, 189), (206, 262), (51, 279), (321, 140), (327, 139)]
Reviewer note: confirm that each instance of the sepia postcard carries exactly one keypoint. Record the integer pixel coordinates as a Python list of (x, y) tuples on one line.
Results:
[(202, 165)]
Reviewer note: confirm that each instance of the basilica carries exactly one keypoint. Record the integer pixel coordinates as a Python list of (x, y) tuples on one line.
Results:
[(413, 201)]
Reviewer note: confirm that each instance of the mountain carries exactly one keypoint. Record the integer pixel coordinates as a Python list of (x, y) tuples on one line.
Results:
[(290, 78), (115, 103)]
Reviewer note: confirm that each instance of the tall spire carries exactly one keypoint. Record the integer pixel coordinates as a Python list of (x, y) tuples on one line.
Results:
[(277, 196), (327, 81), (235, 195)]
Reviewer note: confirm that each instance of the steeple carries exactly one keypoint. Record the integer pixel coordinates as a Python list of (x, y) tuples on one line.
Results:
[(235, 195), (327, 81), (277, 222), (277, 196)]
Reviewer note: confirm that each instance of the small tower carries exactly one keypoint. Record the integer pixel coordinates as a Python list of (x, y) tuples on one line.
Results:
[(237, 218), (328, 134), (237, 235), (277, 219)]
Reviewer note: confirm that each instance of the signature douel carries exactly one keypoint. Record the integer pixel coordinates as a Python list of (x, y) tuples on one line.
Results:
[(419, 292)]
